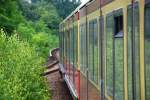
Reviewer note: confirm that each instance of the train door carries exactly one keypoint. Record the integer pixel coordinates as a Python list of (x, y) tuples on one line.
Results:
[(133, 56), (114, 80), (147, 50)]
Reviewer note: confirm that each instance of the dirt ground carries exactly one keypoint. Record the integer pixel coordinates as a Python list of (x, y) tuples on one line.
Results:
[(58, 87)]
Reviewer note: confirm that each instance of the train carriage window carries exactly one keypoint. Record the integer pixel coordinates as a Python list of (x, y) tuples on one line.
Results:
[(93, 51), (84, 48), (95, 45), (81, 47), (71, 46), (147, 50), (90, 50), (75, 45), (109, 54)]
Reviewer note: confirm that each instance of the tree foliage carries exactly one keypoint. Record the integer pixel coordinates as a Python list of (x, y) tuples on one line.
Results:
[(65, 7), (10, 16), (31, 31)]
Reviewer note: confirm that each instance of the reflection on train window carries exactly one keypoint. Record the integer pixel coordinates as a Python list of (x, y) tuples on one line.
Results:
[(118, 21), (133, 44), (147, 50), (93, 51), (109, 54)]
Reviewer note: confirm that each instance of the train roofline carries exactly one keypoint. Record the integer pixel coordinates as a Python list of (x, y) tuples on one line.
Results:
[(77, 9)]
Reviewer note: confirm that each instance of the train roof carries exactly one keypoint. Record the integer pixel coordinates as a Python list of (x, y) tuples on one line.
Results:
[(77, 9)]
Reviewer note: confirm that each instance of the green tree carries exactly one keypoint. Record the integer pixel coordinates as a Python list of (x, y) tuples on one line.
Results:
[(65, 7), (10, 16)]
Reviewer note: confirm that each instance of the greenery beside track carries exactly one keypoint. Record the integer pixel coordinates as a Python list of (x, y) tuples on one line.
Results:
[(28, 32), (20, 70)]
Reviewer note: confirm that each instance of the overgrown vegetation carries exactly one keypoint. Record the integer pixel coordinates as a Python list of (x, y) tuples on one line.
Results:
[(28, 32), (20, 68)]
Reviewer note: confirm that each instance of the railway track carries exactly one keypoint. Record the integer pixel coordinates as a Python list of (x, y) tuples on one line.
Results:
[(57, 85)]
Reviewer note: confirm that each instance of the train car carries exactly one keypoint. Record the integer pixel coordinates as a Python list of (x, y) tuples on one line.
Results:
[(105, 50)]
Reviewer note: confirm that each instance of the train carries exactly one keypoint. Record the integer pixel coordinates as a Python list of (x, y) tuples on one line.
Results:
[(105, 50)]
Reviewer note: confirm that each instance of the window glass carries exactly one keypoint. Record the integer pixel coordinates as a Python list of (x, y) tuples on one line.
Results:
[(75, 45), (102, 51), (93, 51), (93, 60), (71, 46), (81, 47), (63, 47), (68, 51), (90, 51), (71, 71), (147, 50), (119, 72), (109, 54), (95, 47), (84, 49)]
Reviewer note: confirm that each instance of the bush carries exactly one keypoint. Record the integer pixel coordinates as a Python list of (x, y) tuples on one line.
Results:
[(44, 42), (25, 31), (20, 70)]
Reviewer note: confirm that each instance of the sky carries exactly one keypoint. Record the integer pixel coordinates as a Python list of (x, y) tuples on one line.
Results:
[(83, 1)]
